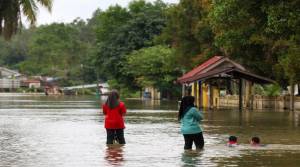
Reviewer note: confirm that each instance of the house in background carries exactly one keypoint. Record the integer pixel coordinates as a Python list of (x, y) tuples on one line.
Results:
[(7, 73), (9, 79), (51, 86), (152, 93), (31, 83)]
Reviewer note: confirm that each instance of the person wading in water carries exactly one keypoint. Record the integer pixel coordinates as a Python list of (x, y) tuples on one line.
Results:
[(114, 111), (190, 117)]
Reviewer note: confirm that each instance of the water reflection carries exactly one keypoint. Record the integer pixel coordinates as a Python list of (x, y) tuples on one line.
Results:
[(114, 155), (296, 119), (191, 157)]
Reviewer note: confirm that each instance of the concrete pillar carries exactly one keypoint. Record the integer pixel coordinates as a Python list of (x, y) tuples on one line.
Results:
[(183, 90)]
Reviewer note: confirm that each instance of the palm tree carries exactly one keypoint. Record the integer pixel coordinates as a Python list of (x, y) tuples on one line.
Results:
[(10, 14)]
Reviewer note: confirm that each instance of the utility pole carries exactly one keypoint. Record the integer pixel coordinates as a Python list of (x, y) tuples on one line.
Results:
[(82, 77)]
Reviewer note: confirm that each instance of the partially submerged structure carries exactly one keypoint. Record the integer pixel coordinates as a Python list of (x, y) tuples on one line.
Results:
[(31, 83), (219, 75), (9, 79)]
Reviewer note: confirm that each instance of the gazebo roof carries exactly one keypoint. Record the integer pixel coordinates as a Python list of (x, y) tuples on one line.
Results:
[(200, 68), (219, 66)]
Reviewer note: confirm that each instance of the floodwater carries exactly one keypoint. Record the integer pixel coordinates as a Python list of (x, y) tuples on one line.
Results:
[(39, 131)]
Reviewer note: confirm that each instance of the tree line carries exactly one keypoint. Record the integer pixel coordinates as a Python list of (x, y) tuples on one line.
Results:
[(151, 44)]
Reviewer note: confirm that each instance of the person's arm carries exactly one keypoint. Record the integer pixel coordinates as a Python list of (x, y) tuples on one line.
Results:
[(123, 108), (198, 115)]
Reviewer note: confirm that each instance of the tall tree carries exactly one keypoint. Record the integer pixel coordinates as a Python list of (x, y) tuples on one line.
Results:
[(256, 33), (16, 48), (56, 50), (188, 32), (153, 67), (11, 10), (122, 30)]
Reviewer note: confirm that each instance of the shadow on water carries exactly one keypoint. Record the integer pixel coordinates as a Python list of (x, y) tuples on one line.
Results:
[(114, 155)]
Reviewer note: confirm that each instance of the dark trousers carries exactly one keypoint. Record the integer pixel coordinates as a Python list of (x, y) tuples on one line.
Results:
[(115, 134), (196, 138)]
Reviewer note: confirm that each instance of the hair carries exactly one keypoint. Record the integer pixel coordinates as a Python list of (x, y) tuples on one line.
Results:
[(255, 140), (232, 139), (186, 103), (113, 99)]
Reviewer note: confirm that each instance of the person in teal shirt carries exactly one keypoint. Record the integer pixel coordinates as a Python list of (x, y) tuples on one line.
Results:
[(190, 118)]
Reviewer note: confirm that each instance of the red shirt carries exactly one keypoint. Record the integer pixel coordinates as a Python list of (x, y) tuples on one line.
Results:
[(114, 117)]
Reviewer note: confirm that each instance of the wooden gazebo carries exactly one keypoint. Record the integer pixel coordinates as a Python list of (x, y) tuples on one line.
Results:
[(206, 79)]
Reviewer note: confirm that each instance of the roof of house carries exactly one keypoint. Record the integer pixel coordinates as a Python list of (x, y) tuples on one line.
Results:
[(234, 72), (9, 71), (31, 81), (213, 68), (201, 67)]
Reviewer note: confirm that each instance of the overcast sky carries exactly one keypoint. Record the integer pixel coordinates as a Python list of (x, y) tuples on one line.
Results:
[(68, 10)]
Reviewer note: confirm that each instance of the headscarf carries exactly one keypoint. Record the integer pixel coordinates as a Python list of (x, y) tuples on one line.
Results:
[(186, 103)]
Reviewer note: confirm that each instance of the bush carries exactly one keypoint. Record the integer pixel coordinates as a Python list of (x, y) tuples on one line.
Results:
[(268, 90)]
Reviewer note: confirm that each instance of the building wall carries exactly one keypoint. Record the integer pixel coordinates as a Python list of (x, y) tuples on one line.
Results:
[(34, 85), (6, 73), (9, 83), (155, 94), (261, 102)]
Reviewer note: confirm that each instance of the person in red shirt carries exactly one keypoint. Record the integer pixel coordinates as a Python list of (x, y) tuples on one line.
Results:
[(114, 111)]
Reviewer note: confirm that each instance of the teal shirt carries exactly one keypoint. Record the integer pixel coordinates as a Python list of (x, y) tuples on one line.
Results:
[(190, 121)]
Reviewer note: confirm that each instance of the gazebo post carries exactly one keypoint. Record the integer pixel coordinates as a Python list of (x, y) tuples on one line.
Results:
[(240, 94), (200, 94)]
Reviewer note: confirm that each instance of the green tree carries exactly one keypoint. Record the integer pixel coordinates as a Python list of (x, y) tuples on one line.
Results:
[(11, 11), (15, 50), (121, 31), (189, 33), (291, 64), (4, 50), (256, 33), (56, 50), (153, 67)]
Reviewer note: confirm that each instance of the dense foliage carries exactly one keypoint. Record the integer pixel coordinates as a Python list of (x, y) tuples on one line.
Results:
[(261, 35), (151, 44), (122, 30), (153, 67)]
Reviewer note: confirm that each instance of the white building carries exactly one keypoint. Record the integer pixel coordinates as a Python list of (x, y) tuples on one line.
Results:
[(9, 79), (31, 83)]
